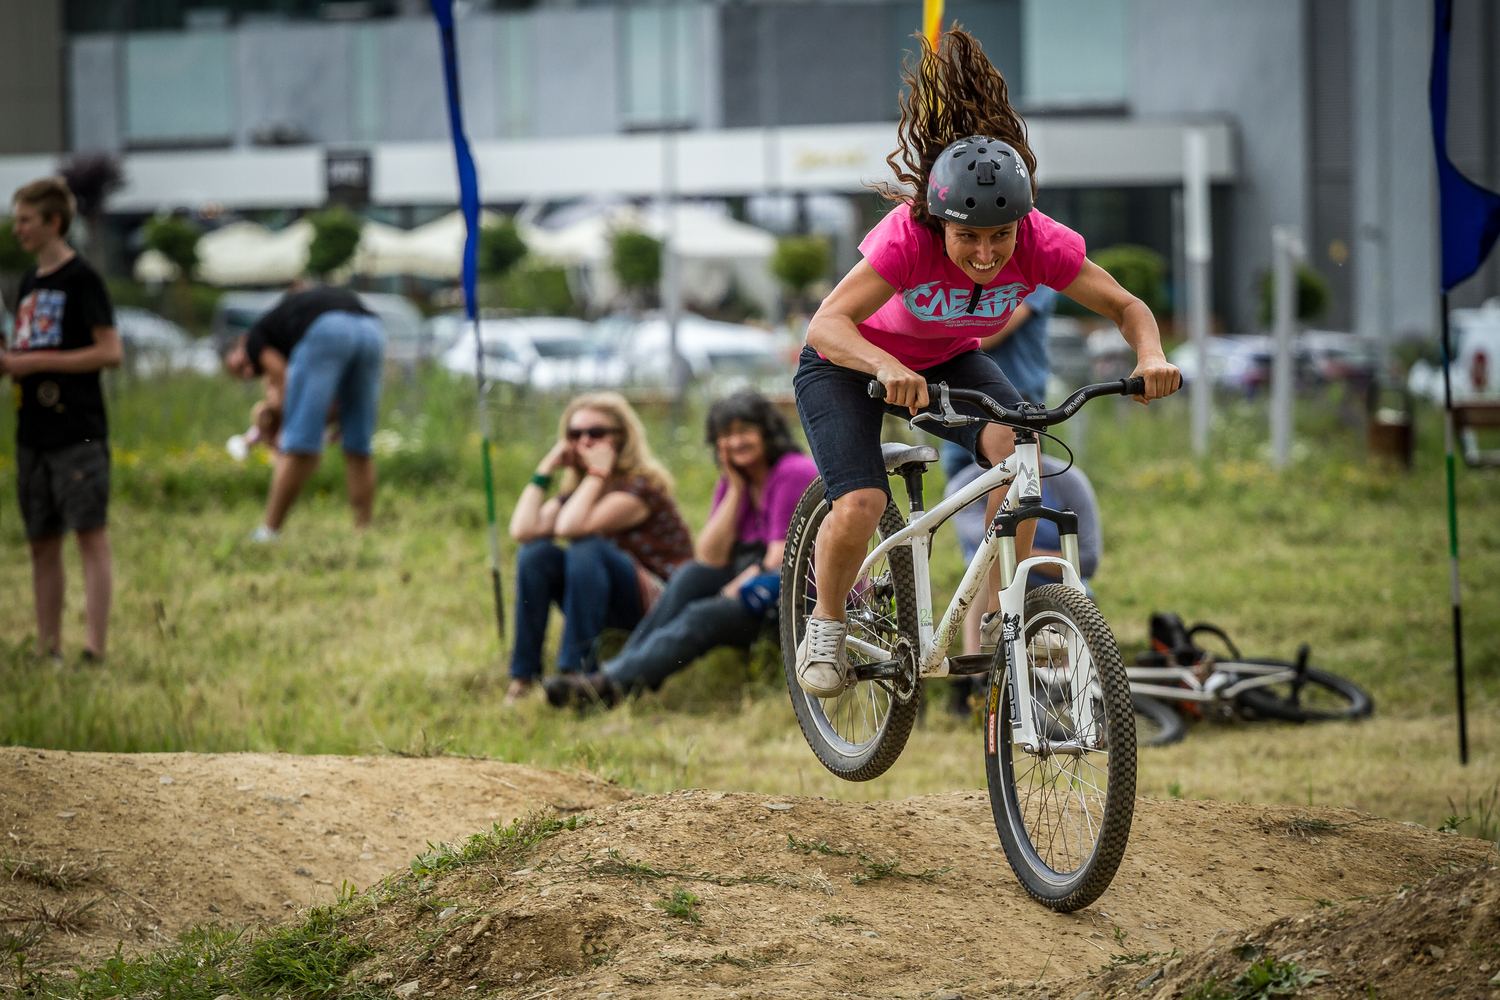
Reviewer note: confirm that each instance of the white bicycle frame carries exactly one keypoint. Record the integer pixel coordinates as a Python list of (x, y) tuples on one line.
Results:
[(1218, 686), (1024, 470)]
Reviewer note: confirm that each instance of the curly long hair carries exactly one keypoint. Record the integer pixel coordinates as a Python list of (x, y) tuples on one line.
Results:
[(633, 457), (951, 93), (752, 408)]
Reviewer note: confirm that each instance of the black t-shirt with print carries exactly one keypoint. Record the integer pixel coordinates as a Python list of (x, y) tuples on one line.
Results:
[(283, 327), (59, 311)]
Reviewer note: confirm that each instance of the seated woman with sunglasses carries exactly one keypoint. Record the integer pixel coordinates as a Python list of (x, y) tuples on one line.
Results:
[(720, 598), (614, 506)]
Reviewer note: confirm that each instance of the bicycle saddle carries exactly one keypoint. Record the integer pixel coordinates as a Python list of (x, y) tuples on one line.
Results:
[(897, 454)]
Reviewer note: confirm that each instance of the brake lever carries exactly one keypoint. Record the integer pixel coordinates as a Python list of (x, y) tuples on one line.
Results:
[(946, 415)]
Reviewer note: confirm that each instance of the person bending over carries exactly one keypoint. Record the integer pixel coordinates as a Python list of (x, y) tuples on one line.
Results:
[(944, 269), (763, 475), (319, 348), (614, 507), (65, 334)]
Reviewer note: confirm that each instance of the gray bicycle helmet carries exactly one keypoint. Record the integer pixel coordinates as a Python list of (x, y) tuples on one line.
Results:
[(980, 182)]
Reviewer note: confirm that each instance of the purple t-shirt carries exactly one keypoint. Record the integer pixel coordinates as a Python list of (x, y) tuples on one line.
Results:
[(784, 486), (928, 321)]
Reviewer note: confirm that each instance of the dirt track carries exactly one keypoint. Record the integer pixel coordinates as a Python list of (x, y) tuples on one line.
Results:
[(251, 837)]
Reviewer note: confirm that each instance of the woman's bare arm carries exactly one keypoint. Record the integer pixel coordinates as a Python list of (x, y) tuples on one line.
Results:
[(834, 333), (1095, 289), (592, 511)]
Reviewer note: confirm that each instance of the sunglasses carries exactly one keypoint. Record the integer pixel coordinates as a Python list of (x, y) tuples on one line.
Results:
[(592, 433)]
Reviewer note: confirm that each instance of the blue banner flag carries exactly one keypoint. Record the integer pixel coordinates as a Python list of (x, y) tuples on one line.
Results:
[(468, 180), (1469, 214)]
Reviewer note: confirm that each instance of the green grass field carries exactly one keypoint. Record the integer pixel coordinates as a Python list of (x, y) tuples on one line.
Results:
[(333, 642)]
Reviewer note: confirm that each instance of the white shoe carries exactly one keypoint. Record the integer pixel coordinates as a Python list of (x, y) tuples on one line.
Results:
[(821, 663), (264, 535), (989, 631)]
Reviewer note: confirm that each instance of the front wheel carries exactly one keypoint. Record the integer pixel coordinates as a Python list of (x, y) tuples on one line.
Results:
[(860, 733), (1313, 696), (1063, 810)]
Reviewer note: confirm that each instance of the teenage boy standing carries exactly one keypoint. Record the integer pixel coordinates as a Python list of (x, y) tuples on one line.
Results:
[(65, 334)]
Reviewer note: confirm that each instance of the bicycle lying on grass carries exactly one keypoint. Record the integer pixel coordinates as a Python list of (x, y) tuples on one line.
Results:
[(1215, 685), (1060, 769)]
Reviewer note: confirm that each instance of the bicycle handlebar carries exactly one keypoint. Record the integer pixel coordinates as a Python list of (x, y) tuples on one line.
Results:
[(1025, 418)]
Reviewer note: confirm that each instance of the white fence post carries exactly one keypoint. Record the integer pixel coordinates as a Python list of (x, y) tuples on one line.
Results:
[(1286, 249), (1198, 249)]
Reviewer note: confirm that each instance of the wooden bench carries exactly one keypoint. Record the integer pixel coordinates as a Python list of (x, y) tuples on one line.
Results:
[(1468, 420)]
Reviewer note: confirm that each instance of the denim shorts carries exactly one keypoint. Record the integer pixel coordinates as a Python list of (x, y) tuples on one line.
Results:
[(843, 423), (339, 357), (63, 489)]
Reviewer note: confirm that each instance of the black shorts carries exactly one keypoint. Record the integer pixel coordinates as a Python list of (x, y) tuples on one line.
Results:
[(63, 489), (843, 423)]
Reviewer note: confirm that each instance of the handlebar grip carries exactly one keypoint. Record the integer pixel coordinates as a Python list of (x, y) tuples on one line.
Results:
[(875, 389), (1134, 386)]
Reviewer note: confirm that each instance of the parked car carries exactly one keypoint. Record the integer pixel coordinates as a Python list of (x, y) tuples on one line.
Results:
[(543, 352), (1475, 371), (154, 345), (712, 350), (1241, 362), (237, 312)]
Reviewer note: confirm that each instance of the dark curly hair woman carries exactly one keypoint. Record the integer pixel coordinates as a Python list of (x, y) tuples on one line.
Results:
[(763, 475)]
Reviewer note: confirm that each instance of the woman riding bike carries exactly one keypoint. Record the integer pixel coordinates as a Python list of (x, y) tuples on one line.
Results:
[(945, 268)]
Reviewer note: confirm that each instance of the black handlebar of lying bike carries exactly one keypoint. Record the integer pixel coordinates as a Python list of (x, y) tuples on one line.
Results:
[(1025, 418)]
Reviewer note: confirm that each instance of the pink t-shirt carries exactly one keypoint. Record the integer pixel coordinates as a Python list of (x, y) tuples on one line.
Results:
[(785, 483), (928, 320)]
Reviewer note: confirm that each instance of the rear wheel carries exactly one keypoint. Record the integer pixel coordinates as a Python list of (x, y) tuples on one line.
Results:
[(1063, 810), (860, 733)]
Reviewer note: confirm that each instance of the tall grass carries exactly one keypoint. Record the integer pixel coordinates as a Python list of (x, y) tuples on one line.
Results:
[(333, 642)]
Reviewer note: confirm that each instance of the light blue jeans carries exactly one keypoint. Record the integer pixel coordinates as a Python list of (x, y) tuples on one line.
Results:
[(339, 357)]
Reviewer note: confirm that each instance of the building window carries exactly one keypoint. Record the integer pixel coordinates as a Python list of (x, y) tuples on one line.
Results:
[(662, 48), (179, 88), (1074, 53)]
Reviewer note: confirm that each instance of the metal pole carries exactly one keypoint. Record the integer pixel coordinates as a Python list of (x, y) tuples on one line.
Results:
[(1286, 248), (1198, 249), (1453, 590), (671, 294), (489, 479)]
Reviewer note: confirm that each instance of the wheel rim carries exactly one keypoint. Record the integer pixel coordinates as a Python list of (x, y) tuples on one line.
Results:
[(1061, 798), (853, 721)]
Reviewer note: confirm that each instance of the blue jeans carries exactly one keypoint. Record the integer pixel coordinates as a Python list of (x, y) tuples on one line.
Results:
[(591, 581), (689, 619), (340, 356)]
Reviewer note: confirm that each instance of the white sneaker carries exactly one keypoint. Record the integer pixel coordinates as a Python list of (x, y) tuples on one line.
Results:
[(989, 631), (264, 535), (821, 663)]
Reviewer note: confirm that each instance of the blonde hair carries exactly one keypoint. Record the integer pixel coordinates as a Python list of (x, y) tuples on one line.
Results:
[(51, 197), (633, 457)]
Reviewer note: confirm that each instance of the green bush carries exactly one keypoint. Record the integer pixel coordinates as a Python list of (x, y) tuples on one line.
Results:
[(535, 289), (1312, 295), (12, 258), (800, 260), (636, 258), (335, 238), (500, 248), (176, 239), (1141, 271)]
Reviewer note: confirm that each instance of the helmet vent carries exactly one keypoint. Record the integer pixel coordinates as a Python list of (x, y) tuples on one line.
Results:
[(999, 202), (1004, 152), (969, 202), (971, 164), (982, 149)]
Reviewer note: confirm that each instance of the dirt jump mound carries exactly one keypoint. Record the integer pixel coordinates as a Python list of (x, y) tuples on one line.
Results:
[(597, 893)]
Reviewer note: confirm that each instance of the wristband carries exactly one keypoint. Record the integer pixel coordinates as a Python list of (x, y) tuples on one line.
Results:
[(538, 479)]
